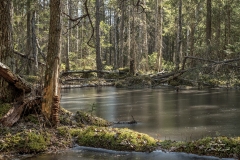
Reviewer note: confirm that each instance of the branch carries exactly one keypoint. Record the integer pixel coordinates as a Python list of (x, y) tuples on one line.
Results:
[(39, 49), (78, 19), (211, 61)]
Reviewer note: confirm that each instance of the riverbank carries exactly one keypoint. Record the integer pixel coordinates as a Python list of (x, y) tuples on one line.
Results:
[(32, 135)]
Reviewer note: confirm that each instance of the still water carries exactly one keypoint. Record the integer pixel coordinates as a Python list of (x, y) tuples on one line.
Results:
[(161, 113)]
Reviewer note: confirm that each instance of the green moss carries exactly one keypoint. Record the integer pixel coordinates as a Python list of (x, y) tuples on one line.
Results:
[(87, 119), (4, 108), (223, 147), (26, 142), (34, 142), (32, 118), (115, 139)]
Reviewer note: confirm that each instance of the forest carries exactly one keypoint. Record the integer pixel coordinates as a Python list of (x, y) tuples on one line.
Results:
[(45, 43)]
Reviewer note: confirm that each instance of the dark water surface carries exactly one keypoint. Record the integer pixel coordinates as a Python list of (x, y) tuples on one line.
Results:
[(161, 113)]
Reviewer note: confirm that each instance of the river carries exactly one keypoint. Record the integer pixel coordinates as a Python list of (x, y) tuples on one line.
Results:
[(161, 113)]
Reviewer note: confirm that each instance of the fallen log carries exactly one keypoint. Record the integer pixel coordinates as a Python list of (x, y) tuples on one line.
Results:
[(14, 114), (87, 71), (14, 79)]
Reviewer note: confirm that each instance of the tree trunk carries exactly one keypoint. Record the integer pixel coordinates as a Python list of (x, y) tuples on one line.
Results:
[(156, 26), (129, 35), (51, 92), (69, 34), (121, 36), (97, 31), (116, 41), (160, 37), (208, 27), (133, 47), (31, 49), (6, 47), (192, 31), (145, 39), (179, 37)]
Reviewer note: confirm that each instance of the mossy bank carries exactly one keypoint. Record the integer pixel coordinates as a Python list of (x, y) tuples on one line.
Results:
[(32, 135)]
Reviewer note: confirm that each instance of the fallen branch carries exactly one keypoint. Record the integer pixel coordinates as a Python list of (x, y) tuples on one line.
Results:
[(87, 71), (126, 122), (206, 60), (14, 114)]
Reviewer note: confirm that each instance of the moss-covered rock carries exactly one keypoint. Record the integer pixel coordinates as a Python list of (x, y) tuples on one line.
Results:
[(88, 119), (121, 139), (223, 147), (28, 141)]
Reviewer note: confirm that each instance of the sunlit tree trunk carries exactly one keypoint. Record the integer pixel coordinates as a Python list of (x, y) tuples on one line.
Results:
[(145, 39), (69, 34), (51, 92), (129, 35)]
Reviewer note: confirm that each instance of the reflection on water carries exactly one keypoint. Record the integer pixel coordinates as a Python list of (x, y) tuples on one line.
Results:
[(162, 113)]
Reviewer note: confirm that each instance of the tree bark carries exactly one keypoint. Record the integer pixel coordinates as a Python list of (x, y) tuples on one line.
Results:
[(145, 39), (31, 47), (51, 91), (6, 47), (69, 34), (121, 35), (179, 37), (159, 59), (208, 27), (97, 31)]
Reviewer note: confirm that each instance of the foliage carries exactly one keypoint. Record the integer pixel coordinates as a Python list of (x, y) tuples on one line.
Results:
[(166, 65)]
